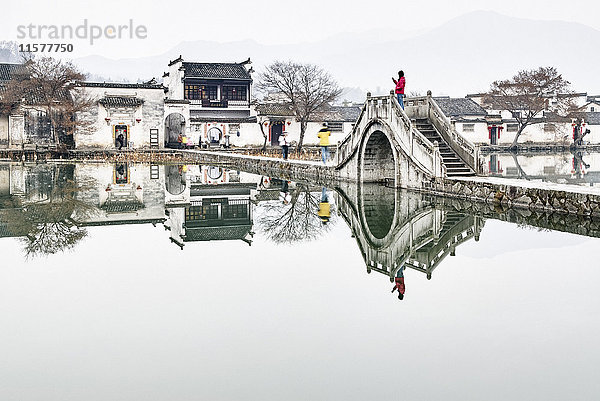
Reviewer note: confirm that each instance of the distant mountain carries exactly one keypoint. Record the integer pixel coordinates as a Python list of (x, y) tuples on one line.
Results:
[(461, 56)]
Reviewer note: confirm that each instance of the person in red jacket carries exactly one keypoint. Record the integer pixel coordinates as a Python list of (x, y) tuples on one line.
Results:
[(400, 83), (399, 283)]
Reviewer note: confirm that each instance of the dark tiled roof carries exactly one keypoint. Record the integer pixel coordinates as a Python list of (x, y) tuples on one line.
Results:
[(453, 107), (7, 70), (333, 113), (177, 101), (120, 101), (339, 113), (224, 119), (592, 118), (216, 71), (275, 109), (118, 85), (222, 115), (593, 98), (119, 206), (37, 97), (5, 231), (216, 233)]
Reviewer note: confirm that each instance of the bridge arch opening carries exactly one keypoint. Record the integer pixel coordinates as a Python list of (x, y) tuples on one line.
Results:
[(379, 209), (378, 160)]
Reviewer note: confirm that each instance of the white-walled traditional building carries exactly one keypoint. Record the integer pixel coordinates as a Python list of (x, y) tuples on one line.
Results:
[(207, 102), (499, 127), (123, 193), (278, 117), (12, 124), (133, 111)]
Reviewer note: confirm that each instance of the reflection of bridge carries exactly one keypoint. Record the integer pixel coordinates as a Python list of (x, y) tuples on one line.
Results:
[(394, 228), (404, 147)]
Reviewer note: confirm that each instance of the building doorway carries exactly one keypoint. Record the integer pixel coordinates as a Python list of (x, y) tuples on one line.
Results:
[(121, 136), (276, 131), (174, 129), (214, 136), (493, 135)]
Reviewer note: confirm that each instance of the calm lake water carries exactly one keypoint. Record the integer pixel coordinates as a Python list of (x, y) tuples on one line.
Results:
[(150, 282)]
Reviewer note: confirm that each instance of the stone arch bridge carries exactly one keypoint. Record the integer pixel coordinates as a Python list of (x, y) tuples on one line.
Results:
[(404, 147)]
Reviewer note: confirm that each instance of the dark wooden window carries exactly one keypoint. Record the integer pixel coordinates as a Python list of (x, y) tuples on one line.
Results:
[(231, 92), (209, 92), (191, 92), (236, 209), (203, 212)]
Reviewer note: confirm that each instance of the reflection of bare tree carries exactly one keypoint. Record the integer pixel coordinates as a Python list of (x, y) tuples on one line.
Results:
[(296, 221), (48, 226)]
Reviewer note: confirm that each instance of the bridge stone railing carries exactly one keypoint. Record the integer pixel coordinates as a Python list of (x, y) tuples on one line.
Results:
[(427, 107), (404, 136)]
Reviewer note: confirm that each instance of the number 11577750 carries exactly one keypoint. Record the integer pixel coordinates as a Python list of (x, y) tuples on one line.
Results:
[(45, 47)]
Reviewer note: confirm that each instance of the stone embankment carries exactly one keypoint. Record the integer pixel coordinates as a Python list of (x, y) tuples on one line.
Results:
[(543, 196), (520, 194)]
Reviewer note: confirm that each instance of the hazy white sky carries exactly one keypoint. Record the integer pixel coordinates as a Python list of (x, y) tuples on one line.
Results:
[(267, 22)]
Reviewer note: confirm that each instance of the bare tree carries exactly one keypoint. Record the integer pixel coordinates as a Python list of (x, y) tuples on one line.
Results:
[(528, 94), (308, 88), (49, 85)]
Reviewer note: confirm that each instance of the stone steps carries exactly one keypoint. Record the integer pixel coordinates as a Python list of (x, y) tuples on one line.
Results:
[(455, 167)]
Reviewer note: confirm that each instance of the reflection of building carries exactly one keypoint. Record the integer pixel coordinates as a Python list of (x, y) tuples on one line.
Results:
[(32, 195), (395, 229), (575, 167), (124, 193), (208, 203)]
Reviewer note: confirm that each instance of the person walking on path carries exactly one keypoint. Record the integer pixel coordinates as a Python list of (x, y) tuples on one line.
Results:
[(400, 83), (285, 144), (399, 283), (323, 135)]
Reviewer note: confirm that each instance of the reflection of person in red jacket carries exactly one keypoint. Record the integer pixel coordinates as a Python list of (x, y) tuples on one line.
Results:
[(400, 83), (399, 283)]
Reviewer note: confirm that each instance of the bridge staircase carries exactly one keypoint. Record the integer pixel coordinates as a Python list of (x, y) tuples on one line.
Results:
[(459, 156), (455, 166)]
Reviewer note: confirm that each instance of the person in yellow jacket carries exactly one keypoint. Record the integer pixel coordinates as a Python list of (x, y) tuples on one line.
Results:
[(324, 212), (324, 135)]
